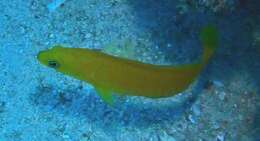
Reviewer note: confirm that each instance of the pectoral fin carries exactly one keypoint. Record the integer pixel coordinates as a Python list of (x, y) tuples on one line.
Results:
[(105, 95)]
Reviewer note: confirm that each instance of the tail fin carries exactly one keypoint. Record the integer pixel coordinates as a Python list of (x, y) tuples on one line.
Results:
[(209, 40)]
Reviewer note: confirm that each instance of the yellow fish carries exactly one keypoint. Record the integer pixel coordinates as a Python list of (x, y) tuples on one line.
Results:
[(110, 74)]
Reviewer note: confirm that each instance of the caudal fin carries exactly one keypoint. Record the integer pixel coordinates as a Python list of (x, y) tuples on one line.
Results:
[(209, 40)]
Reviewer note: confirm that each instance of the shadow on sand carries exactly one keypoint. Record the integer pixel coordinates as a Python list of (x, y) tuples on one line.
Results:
[(235, 51)]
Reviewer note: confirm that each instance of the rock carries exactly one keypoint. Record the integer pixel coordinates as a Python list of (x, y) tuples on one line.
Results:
[(222, 95), (191, 119), (88, 35), (221, 137), (166, 137), (196, 109), (217, 83), (2, 106), (65, 136), (55, 4)]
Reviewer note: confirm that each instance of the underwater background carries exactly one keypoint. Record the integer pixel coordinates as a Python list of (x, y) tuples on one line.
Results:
[(39, 104)]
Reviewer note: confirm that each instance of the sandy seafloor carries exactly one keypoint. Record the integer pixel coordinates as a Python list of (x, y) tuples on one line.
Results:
[(39, 104)]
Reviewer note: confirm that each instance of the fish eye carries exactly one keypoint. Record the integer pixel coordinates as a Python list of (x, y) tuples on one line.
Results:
[(53, 64)]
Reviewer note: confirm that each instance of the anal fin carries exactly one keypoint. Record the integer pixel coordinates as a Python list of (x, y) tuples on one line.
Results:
[(105, 95)]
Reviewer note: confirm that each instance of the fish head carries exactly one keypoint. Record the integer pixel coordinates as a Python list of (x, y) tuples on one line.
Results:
[(54, 58)]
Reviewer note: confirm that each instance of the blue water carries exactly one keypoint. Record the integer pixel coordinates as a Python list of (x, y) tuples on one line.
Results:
[(40, 104)]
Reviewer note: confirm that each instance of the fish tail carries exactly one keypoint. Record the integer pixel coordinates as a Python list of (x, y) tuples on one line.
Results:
[(209, 40)]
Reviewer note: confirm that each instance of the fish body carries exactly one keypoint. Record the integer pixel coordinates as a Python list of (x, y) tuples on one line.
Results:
[(110, 74)]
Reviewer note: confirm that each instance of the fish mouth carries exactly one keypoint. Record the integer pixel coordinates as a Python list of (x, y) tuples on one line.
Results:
[(38, 55), (41, 57)]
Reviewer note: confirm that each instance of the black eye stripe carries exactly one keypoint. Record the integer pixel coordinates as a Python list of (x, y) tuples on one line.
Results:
[(53, 64)]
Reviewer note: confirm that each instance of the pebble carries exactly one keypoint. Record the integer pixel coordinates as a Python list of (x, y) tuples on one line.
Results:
[(51, 35), (88, 35), (166, 137), (55, 4), (215, 125), (33, 5), (195, 109), (221, 137), (22, 30), (222, 95), (191, 119), (65, 136), (218, 83), (2, 106), (169, 45)]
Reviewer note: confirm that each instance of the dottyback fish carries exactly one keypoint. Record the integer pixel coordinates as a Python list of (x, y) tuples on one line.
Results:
[(115, 75)]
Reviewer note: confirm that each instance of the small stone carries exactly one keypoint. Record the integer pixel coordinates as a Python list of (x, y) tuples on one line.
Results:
[(221, 137), (88, 35), (166, 137), (65, 136), (51, 35), (217, 83), (222, 95), (2, 107), (195, 109), (191, 119), (215, 125), (23, 30), (55, 4), (20, 51), (33, 5), (208, 85)]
